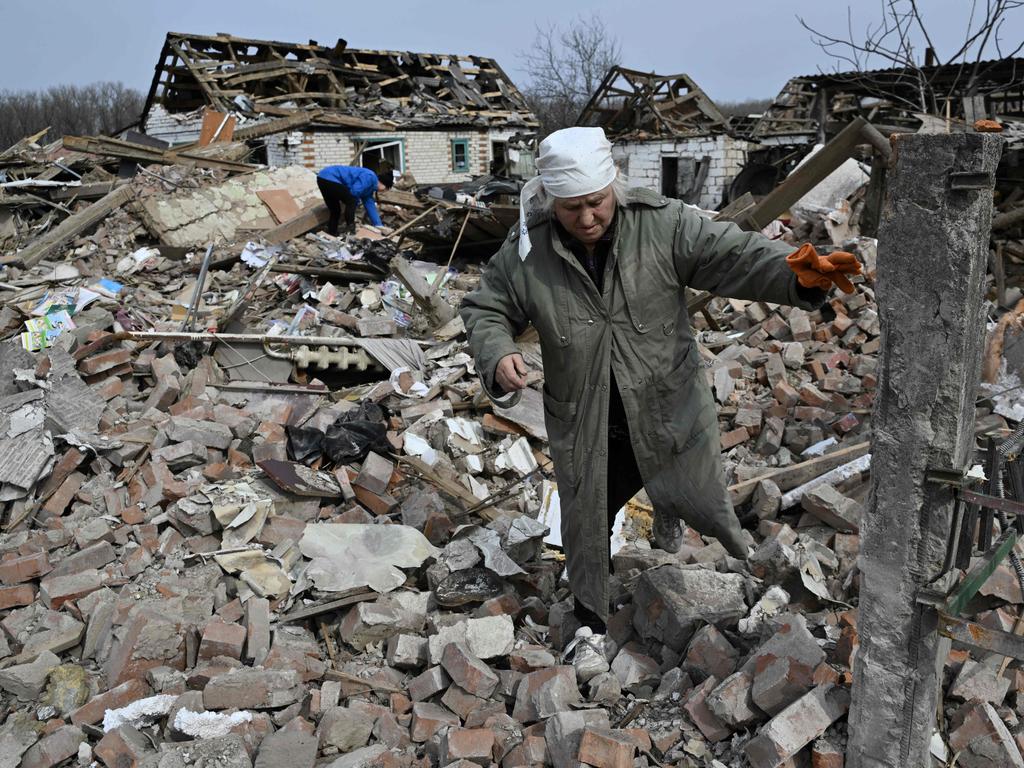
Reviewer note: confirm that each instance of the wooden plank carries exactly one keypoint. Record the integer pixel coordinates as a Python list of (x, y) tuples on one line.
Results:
[(980, 638), (308, 220), (807, 176), (70, 228), (217, 126), (790, 477), (281, 204)]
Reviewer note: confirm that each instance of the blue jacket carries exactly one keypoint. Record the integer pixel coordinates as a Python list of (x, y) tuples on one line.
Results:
[(361, 182)]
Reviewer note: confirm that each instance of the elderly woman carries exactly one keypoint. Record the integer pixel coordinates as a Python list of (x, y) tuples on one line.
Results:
[(600, 270)]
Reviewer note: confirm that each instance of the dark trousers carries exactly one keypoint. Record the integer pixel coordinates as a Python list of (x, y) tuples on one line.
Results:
[(335, 196), (624, 481)]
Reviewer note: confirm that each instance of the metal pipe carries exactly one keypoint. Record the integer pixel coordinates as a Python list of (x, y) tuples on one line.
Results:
[(193, 307)]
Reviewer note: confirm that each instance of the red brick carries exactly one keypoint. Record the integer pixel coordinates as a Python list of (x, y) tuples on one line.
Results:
[(473, 744), (20, 595), (121, 696), (21, 569), (222, 639)]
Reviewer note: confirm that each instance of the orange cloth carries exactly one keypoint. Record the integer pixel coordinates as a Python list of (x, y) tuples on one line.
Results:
[(816, 271)]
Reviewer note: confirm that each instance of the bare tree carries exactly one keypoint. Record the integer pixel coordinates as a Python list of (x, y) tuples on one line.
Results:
[(565, 67), (98, 108), (896, 42)]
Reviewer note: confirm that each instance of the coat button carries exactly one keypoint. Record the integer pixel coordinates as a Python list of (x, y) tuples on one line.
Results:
[(590, 321), (561, 338), (640, 326), (604, 387)]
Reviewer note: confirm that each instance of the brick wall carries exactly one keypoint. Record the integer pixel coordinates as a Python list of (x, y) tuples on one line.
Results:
[(176, 128), (428, 154), (641, 161)]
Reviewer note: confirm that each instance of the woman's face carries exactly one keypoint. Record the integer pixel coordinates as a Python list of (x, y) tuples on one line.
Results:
[(588, 217)]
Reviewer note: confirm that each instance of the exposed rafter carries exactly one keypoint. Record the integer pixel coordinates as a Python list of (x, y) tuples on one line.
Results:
[(632, 104)]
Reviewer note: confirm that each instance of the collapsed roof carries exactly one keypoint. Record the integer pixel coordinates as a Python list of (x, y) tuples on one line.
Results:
[(637, 105), (896, 98), (275, 78)]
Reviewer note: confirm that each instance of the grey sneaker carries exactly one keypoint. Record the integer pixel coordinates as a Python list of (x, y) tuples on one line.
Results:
[(668, 532)]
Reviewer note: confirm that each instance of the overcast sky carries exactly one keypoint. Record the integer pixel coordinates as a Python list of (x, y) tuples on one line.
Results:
[(734, 49)]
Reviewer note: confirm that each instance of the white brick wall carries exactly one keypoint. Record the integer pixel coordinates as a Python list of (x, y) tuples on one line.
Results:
[(428, 154), (182, 128), (642, 162)]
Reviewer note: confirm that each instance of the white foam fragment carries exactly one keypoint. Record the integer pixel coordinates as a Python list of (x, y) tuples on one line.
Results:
[(208, 725), (139, 713)]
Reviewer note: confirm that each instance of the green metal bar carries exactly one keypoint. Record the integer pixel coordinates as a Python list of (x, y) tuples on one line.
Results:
[(980, 573)]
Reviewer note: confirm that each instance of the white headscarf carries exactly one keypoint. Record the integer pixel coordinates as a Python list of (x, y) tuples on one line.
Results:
[(572, 162)]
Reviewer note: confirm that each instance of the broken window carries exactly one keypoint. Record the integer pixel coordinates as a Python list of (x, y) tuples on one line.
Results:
[(377, 150), (460, 155)]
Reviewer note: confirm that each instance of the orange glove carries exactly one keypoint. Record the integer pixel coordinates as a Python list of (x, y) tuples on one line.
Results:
[(816, 271)]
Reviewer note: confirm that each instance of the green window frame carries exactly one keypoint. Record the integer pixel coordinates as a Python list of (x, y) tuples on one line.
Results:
[(460, 155)]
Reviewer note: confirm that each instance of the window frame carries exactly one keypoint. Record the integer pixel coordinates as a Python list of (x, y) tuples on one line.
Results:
[(456, 166)]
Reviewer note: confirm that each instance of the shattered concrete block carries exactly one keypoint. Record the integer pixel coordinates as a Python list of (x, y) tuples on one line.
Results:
[(371, 622), (981, 739), (732, 702), (19, 732), (375, 474), (467, 671), (606, 748), (428, 719), (26, 681), (253, 689), (980, 681), (407, 651), (344, 729), (206, 433), (224, 752), (474, 745), (485, 638), (563, 733), (546, 692), (633, 668), (832, 508), (364, 757), (797, 726), (54, 748), (672, 602)]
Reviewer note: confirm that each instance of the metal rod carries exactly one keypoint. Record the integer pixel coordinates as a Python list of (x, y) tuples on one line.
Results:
[(193, 307), (440, 274)]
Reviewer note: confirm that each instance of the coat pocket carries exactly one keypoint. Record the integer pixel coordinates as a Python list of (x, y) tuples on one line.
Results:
[(560, 420), (685, 402)]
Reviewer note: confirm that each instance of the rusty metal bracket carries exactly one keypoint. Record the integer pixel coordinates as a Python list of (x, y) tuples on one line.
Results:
[(980, 638)]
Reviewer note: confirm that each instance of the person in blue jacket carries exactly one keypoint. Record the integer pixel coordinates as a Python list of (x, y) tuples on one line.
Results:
[(350, 185)]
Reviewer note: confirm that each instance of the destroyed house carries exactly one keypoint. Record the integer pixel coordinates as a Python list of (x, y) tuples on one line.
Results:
[(669, 136), (438, 117), (812, 109), (899, 100)]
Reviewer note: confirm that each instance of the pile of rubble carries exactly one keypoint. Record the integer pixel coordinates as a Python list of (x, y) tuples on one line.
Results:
[(308, 539)]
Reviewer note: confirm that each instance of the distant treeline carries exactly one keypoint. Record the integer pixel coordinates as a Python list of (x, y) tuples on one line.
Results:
[(68, 109)]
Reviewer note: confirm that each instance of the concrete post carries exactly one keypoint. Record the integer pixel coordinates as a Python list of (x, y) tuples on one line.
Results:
[(932, 256)]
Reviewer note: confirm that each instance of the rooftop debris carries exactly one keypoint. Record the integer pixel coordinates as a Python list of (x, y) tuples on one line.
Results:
[(343, 86)]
